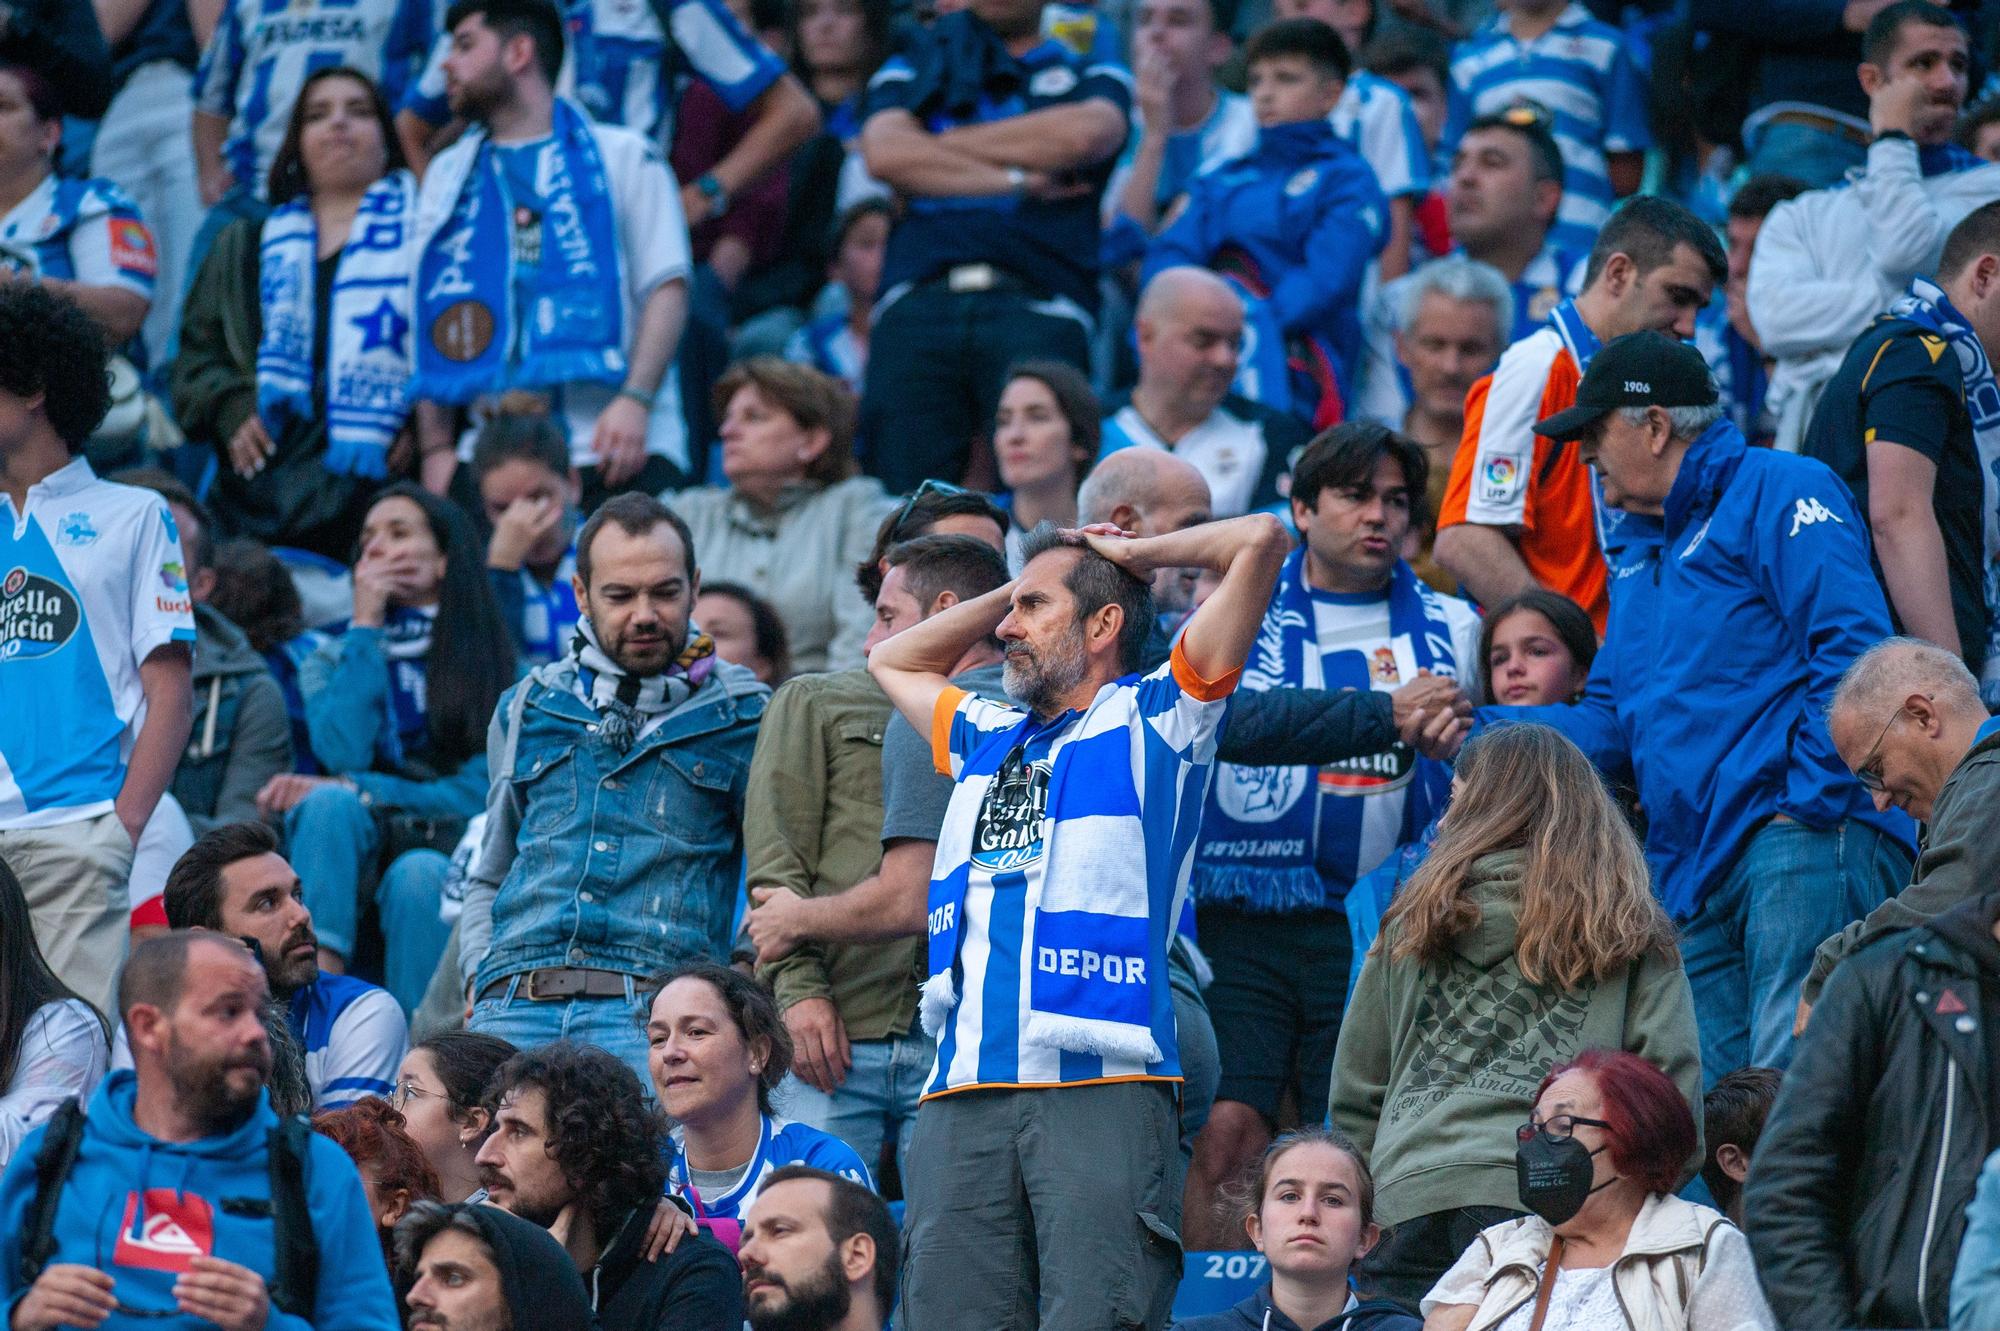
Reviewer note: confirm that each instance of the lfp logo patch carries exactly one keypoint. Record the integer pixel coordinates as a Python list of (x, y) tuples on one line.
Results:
[(1498, 479)]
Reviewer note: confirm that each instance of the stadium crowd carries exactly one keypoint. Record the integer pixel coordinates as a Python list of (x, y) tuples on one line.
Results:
[(1248, 665)]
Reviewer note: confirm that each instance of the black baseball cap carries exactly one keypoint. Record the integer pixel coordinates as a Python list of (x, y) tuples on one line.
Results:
[(1637, 370)]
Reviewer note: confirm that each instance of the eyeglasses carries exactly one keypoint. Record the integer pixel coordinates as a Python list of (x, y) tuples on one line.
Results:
[(406, 1091), (1869, 773), (1559, 1127)]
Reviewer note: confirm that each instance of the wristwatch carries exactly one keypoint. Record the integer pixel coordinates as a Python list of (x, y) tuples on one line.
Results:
[(712, 190)]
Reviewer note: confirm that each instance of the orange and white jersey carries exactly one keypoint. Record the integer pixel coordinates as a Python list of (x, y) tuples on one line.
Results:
[(1539, 491)]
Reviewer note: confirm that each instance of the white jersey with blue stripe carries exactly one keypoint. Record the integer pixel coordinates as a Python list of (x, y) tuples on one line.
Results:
[(91, 583), (264, 49), (1144, 763), (780, 1142), (1582, 73), (1375, 118), (355, 1037)]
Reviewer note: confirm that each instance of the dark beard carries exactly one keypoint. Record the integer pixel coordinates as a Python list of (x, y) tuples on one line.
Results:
[(205, 1096), (813, 1305)]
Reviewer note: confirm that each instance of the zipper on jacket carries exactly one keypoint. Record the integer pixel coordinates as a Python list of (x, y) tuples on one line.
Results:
[(1937, 1192)]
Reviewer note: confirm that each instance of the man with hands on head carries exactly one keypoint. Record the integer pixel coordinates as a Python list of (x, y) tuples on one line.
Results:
[(1059, 878), (168, 1217)]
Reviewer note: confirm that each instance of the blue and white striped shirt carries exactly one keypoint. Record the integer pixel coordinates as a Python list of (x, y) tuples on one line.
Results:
[(1375, 118), (1579, 71), (263, 50), (1135, 771), (354, 1035)]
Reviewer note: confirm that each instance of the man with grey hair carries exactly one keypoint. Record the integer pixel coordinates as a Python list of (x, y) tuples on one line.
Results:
[(1908, 721), (1190, 327), (1744, 595)]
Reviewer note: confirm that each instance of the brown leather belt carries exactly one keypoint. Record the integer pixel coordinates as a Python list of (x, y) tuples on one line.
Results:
[(1824, 124), (554, 982)]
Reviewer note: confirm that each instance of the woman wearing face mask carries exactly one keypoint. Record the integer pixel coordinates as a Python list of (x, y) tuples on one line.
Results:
[(1311, 1213), (1608, 1245), (1530, 934), (717, 1048)]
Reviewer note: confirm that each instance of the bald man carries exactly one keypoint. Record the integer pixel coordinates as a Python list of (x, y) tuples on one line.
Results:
[(1149, 491), (1190, 340), (1907, 719)]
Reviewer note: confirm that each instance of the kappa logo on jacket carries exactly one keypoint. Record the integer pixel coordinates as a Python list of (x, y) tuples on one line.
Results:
[(1806, 512)]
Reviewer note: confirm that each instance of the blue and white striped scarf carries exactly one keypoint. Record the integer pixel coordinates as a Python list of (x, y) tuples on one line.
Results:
[(1096, 905), (367, 356), (489, 323)]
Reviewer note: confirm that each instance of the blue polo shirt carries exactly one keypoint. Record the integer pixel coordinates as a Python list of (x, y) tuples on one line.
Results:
[(1051, 245)]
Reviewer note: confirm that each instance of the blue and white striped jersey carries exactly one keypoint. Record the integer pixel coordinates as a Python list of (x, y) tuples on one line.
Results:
[(1375, 118), (263, 50), (780, 1142), (91, 583), (1579, 71), (354, 1035), (1136, 767)]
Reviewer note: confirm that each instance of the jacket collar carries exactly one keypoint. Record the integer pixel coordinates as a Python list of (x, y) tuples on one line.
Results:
[(1664, 1225), (1710, 464)]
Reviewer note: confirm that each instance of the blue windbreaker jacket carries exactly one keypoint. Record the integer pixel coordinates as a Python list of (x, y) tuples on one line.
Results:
[(141, 1209), (1724, 646), (1305, 207)]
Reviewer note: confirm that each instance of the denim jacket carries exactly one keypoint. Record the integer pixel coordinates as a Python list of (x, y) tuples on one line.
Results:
[(622, 862)]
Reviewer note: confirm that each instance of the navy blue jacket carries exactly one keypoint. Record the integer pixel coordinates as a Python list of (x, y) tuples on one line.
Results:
[(1305, 207), (1258, 1313), (1723, 649)]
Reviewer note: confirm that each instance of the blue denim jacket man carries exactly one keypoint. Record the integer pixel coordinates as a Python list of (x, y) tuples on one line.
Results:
[(613, 841)]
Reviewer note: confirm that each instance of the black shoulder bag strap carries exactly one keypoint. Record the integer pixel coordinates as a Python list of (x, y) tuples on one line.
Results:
[(53, 1163), (295, 1252)]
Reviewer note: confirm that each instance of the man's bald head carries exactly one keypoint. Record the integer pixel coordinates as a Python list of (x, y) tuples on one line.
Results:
[(1147, 491), (1898, 668), (1175, 290)]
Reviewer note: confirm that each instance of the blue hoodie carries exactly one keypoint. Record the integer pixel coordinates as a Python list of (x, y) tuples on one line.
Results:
[(141, 1209), (1725, 643), (1305, 207)]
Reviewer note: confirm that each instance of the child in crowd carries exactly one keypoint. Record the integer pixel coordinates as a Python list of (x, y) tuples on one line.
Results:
[(1295, 221), (836, 342), (521, 465), (1732, 1118), (1311, 1213)]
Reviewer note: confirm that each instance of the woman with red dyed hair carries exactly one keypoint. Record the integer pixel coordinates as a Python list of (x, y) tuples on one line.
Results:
[(394, 1170), (1609, 1245)]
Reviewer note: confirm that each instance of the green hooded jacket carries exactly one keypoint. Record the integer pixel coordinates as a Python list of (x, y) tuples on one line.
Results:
[(1437, 1064)]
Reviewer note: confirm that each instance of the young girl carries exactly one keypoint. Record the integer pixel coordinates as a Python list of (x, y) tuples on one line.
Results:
[(1312, 1214)]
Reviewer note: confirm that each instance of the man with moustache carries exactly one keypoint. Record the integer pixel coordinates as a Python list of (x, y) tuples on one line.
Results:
[(473, 1267), (171, 1214), (614, 827), (578, 1150), (819, 1254), (233, 881)]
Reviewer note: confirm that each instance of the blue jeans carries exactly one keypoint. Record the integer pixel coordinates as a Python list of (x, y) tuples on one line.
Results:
[(335, 841), (1818, 158), (615, 1025), (878, 1097), (1748, 948), (408, 898)]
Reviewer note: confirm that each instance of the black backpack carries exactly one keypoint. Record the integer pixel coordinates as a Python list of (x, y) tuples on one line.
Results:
[(296, 1257)]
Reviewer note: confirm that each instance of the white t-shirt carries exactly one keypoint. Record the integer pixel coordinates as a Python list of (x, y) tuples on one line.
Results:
[(653, 245), (63, 1054), (1228, 451)]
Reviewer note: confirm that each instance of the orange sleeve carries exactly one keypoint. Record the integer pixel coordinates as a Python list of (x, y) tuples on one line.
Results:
[(1202, 690), (1452, 511), (942, 712)]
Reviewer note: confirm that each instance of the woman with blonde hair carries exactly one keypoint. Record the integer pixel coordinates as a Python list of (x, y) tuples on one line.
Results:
[(1530, 934)]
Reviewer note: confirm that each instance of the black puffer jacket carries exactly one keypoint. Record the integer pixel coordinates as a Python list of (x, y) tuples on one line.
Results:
[(1857, 1194)]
